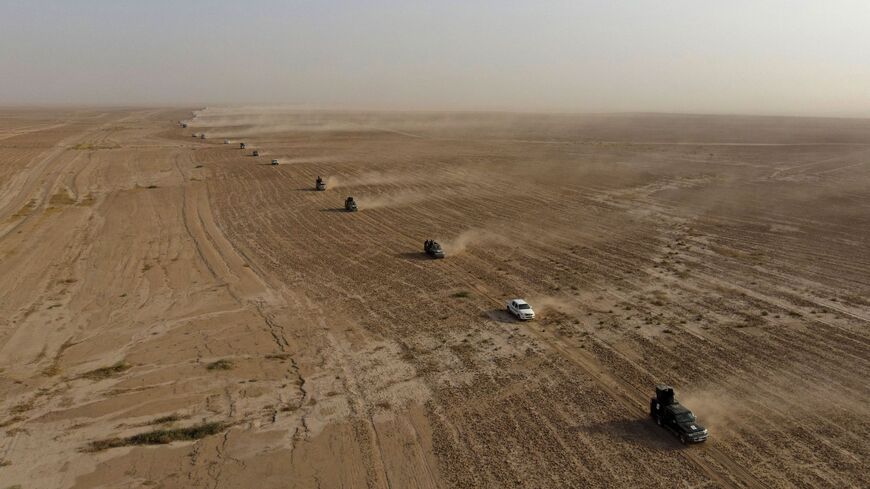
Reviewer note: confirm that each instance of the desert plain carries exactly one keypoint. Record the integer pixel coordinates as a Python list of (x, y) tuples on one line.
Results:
[(176, 313)]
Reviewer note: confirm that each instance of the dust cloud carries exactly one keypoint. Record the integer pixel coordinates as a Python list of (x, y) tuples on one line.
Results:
[(469, 238), (546, 304), (370, 178), (720, 407), (390, 200)]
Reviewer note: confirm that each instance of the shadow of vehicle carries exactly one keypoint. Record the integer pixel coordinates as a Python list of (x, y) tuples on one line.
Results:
[(414, 256), (501, 316), (637, 431)]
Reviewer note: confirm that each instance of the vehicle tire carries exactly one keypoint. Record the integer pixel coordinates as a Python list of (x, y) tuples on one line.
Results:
[(683, 439)]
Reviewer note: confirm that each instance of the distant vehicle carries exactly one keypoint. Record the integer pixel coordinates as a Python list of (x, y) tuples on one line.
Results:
[(255, 153), (521, 309), (226, 141), (319, 184), (677, 418), (241, 145), (433, 249), (349, 204), (274, 162), (202, 136)]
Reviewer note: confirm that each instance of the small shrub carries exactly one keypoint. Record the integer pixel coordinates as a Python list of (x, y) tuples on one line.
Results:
[(51, 370), (462, 294), (278, 356), (106, 372), (22, 408), (222, 364)]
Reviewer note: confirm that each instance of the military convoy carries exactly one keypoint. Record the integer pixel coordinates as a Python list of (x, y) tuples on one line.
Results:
[(673, 416), (663, 408), (350, 205), (433, 249)]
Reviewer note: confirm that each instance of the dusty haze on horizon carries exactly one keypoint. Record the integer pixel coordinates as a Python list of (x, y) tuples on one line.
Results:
[(751, 57)]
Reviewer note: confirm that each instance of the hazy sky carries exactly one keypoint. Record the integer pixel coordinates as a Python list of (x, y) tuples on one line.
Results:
[(724, 56)]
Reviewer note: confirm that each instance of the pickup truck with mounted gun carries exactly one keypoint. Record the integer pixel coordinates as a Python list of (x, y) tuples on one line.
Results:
[(676, 418)]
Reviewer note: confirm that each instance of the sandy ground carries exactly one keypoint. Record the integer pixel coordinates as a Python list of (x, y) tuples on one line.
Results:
[(155, 281)]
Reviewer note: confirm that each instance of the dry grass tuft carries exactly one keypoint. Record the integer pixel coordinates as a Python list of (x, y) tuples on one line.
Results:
[(166, 419), (159, 437), (222, 364), (106, 372), (93, 147), (10, 421)]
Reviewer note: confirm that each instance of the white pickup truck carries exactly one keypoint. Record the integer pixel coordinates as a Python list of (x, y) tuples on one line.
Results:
[(521, 309)]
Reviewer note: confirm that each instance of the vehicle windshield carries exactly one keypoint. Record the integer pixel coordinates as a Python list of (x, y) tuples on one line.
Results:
[(685, 418), (524, 306)]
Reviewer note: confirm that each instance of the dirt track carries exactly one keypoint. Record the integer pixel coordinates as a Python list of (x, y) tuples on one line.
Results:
[(726, 256)]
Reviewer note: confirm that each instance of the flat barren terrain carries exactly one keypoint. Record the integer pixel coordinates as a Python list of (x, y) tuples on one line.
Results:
[(176, 313)]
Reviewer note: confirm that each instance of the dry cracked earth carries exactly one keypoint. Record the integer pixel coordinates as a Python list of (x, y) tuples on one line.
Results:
[(176, 313)]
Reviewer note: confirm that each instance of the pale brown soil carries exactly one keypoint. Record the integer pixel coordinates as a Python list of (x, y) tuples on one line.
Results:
[(151, 280)]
